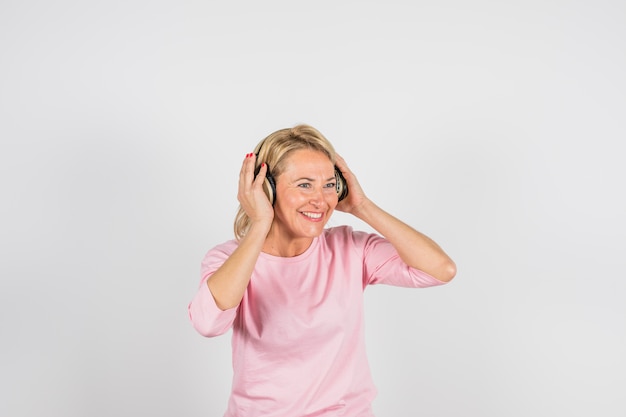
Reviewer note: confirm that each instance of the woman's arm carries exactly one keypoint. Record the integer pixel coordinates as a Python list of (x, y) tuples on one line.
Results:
[(228, 284), (415, 249)]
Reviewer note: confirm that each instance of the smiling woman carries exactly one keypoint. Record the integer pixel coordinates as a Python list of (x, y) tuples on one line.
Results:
[(292, 290), (308, 197)]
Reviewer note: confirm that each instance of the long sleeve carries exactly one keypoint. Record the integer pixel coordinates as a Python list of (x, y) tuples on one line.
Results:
[(382, 264), (206, 317)]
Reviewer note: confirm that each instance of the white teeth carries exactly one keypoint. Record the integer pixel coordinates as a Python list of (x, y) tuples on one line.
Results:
[(312, 215)]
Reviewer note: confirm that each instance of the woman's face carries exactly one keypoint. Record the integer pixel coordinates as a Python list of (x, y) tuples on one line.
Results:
[(306, 195)]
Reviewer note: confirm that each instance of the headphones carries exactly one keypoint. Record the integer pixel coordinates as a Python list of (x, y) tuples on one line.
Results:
[(269, 184)]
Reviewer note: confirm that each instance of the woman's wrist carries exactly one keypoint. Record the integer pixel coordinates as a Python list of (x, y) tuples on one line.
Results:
[(365, 210), (259, 229)]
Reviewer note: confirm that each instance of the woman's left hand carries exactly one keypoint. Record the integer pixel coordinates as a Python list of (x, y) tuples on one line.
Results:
[(415, 249), (356, 196)]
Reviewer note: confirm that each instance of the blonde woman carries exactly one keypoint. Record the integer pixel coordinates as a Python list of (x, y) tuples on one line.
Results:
[(292, 289)]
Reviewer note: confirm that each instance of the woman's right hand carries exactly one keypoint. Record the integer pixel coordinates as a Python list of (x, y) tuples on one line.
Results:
[(228, 284), (251, 196)]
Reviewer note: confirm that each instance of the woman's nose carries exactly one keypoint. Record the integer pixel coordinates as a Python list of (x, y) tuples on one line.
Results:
[(317, 197)]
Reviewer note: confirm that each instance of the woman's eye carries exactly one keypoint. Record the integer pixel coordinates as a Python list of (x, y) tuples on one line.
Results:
[(331, 185), (304, 185)]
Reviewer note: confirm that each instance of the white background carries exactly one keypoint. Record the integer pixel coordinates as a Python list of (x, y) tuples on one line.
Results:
[(494, 127)]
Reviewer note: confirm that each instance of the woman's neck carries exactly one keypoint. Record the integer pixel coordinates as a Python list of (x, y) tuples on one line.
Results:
[(286, 247)]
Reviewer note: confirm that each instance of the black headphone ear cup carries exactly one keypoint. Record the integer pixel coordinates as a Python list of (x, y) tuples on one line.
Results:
[(269, 186), (342, 185)]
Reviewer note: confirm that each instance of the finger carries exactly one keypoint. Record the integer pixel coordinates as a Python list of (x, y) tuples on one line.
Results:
[(247, 172), (258, 181), (245, 164), (341, 163), (350, 177)]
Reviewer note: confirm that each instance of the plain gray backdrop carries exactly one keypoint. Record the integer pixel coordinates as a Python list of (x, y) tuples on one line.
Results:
[(496, 128)]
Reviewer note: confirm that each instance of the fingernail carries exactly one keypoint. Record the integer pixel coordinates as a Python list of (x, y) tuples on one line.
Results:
[(263, 164)]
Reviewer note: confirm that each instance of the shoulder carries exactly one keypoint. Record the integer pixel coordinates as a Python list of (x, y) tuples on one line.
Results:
[(226, 248), (338, 234), (218, 254), (346, 236)]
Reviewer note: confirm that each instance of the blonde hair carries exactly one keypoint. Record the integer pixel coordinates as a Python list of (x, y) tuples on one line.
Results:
[(274, 150)]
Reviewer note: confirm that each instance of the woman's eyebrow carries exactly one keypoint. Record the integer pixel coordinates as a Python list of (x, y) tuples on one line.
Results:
[(311, 179)]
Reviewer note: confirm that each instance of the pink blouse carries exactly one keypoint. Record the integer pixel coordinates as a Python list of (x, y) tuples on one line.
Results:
[(298, 340)]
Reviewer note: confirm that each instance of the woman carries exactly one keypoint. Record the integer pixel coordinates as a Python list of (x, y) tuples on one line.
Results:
[(292, 290)]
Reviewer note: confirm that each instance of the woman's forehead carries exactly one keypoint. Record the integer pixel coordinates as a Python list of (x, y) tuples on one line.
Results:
[(309, 161)]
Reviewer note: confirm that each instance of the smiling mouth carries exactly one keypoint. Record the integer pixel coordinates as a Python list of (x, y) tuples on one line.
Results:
[(314, 216)]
